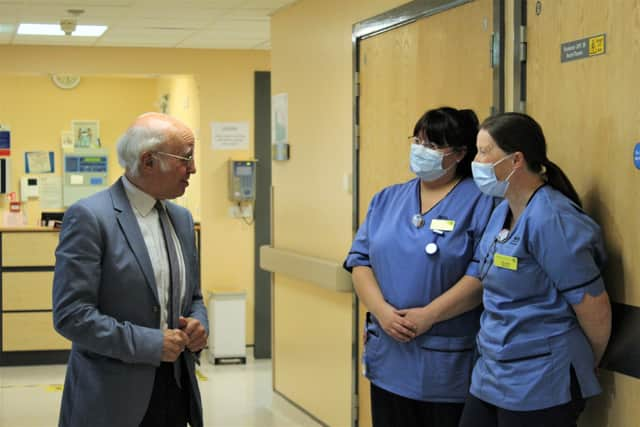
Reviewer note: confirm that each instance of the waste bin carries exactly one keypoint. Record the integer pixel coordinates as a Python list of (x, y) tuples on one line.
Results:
[(227, 327)]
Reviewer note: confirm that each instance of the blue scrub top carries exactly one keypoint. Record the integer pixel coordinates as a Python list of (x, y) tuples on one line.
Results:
[(530, 336), (435, 366)]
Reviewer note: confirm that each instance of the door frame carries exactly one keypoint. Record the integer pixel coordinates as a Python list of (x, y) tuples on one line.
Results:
[(387, 21)]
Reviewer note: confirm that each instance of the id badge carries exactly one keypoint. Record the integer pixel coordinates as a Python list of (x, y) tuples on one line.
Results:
[(442, 224), (505, 261)]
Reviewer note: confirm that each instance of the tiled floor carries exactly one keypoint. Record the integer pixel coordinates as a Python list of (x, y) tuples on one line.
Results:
[(232, 395)]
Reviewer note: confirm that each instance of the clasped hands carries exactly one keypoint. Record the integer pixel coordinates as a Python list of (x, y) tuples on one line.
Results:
[(406, 324), (190, 335)]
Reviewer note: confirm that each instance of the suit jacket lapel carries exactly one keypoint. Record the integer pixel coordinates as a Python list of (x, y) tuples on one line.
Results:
[(131, 230)]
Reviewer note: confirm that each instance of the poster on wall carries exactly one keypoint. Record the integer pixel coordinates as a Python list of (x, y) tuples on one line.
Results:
[(66, 139), (39, 162), (280, 118), (230, 135), (86, 133), (5, 142)]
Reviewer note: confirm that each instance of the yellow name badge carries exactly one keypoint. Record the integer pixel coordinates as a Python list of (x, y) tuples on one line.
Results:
[(443, 224), (505, 261)]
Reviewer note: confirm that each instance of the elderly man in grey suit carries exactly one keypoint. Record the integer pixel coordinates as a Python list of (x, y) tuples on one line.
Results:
[(126, 289)]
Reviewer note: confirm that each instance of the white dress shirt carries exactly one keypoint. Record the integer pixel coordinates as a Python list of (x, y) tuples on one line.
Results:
[(149, 222)]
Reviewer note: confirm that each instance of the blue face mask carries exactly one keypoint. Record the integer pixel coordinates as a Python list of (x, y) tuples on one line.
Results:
[(427, 163), (484, 175)]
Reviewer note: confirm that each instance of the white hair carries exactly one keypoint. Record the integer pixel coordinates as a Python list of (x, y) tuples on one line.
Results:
[(138, 139)]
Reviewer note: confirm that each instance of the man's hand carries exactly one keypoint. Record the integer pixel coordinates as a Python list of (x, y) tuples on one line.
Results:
[(175, 340), (195, 331)]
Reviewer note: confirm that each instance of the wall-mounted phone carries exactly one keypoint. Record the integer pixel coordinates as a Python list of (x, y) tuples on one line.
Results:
[(242, 180)]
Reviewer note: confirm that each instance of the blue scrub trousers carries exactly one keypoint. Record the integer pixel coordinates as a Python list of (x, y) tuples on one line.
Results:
[(391, 410), (478, 413)]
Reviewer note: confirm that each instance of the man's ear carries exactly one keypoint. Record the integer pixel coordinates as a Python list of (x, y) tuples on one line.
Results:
[(147, 160)]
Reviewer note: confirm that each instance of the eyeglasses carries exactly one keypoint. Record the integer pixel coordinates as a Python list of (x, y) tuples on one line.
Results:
[(186, 160), (427, 144)]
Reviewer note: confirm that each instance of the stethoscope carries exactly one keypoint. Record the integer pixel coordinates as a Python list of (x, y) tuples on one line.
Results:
[(430, 248)]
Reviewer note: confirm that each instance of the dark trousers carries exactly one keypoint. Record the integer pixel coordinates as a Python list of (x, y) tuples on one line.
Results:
[(478, 413), (390, 410), (169, 404)]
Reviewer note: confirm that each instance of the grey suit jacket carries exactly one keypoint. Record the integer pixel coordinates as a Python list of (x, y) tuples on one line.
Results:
[(105, 301)]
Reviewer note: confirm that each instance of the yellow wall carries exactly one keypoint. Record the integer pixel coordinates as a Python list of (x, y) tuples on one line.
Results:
[(37, 112), (224, 80), (312, 62), (184, 104)]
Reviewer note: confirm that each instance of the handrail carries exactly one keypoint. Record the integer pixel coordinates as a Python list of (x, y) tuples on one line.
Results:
[(325, 273)]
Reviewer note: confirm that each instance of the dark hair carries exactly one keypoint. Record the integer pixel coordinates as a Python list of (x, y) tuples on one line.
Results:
[(448, 127), (519, 132)]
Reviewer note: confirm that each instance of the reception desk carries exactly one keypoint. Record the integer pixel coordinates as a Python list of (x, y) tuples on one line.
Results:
[(27, 336), (27, 261)]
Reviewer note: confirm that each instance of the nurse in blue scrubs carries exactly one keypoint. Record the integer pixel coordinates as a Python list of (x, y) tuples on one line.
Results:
[(412, 268), (547, 317)]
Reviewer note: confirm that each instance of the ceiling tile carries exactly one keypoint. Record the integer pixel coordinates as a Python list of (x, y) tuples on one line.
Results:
[(62, 41), (77, 4), (271, 4), (139, 43), (220, 44), (140, 35), (196, 4), (198, 23), (7, 28)]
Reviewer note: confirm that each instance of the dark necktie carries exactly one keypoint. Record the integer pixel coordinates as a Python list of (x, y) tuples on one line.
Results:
[(173, 303)]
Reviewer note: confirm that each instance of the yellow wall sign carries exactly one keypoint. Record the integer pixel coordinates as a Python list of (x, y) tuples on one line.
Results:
[(583, 48), (596, 45)]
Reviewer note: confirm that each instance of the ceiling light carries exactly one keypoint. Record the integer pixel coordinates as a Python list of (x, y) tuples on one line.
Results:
[(89, 30), (55, 30)]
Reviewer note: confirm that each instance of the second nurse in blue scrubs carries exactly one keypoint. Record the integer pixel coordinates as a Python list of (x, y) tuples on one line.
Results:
[(412, 268), (547, 318)]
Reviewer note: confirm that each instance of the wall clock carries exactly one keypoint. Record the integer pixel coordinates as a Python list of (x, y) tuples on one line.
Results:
[(65, 81)]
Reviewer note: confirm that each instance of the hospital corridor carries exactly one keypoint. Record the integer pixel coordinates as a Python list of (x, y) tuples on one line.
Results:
[(337, 213), (234, 395)]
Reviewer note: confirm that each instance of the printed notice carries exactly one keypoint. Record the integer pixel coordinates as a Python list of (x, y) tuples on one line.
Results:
[(50, 191), (38, 161), (230, 135)]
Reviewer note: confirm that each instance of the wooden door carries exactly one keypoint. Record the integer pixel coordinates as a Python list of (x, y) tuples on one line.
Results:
[(589, 110), (439, 60)]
